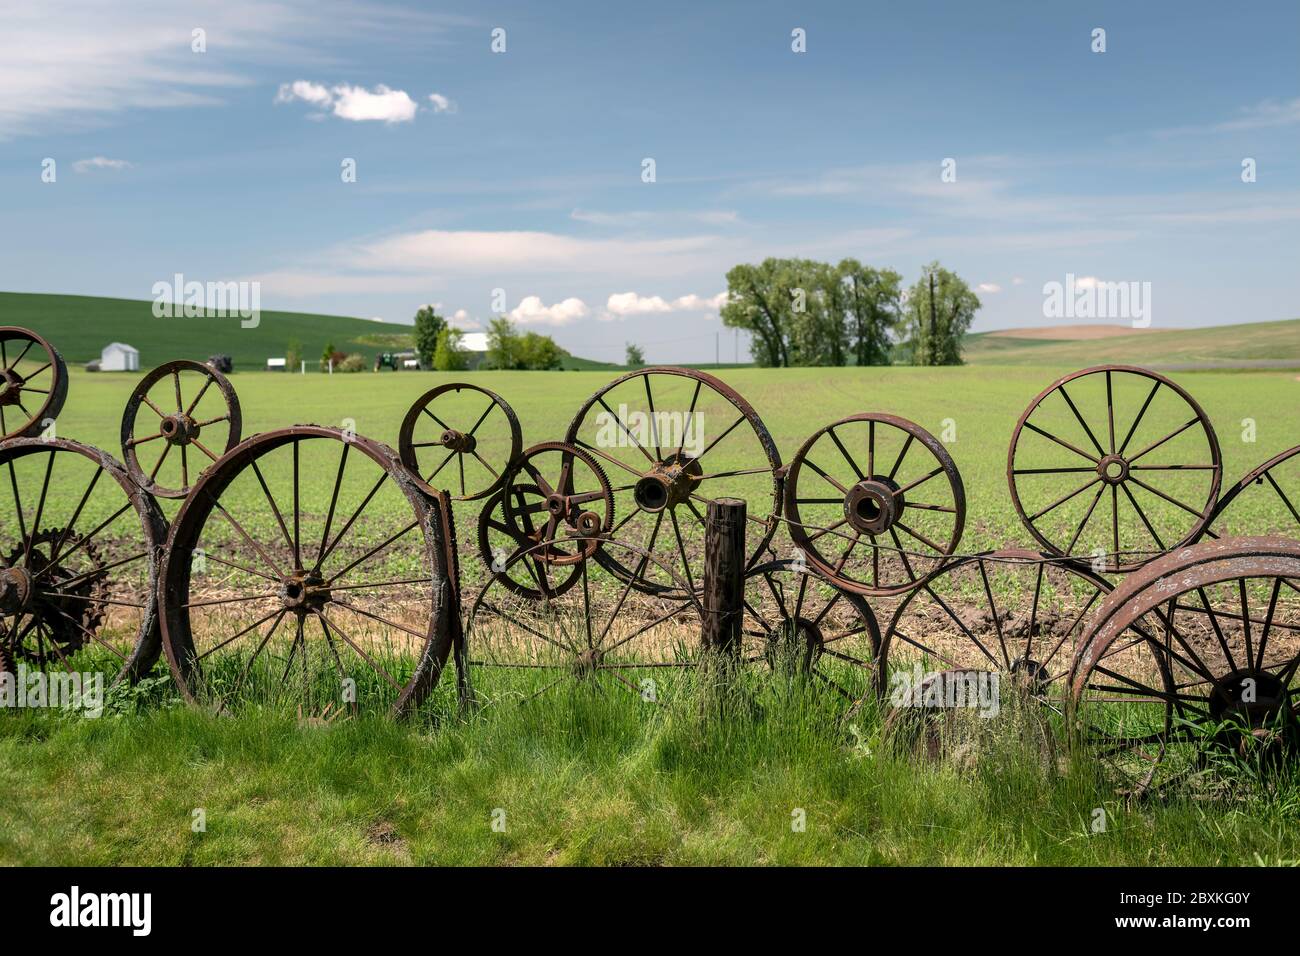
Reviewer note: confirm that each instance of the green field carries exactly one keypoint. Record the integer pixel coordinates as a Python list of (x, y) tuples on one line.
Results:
[(1226, 346), (586, 777), (80, 326)]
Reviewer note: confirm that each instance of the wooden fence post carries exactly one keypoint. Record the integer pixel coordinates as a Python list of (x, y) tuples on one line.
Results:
[(452, 612), (724, 576)]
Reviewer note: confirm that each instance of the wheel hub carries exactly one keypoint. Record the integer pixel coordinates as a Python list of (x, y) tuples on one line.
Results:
[(458, 442), (15, 590), (1029, 673), (303, 592), (668, 484), (794, 644), (179, 429), (1113, 469), (11, 386), (873, 505), (586, 662)]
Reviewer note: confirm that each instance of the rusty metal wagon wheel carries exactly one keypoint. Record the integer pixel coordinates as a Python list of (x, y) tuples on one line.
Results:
[(78, 560), (1265, 501), (1193, 658), (184, 410), (469, 424), (601, 632), (557, 495), (795, 622), (673, 440), (307, 568), (33, 383), (871, 476), (1140, 440), (1014, 613)]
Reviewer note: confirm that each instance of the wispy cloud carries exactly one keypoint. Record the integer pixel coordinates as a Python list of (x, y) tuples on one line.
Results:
[(99, 162)]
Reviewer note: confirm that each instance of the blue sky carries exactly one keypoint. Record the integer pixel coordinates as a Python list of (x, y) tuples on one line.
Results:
[(525, 172)]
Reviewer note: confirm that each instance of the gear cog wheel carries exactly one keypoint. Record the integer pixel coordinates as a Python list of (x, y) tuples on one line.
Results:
[(70, 605)]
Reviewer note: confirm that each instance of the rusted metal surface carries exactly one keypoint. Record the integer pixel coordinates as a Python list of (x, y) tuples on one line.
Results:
[(664, 487), (1276, 482), (174, 422), (66, 570), (33, 383), (1202, 645), (303, 588), (875, 499), (1114, 467), (438, 459)]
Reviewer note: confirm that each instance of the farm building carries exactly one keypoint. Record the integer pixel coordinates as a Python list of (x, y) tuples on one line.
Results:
[(119, 357)]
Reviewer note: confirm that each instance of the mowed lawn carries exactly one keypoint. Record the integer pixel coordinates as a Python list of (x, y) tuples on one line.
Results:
[(771, 775)]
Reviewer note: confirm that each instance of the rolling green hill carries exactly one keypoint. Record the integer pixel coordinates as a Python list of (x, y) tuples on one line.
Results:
[(1222, 346), (80, 326)]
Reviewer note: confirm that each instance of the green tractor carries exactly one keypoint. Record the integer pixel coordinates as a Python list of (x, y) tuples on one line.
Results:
[(397, 361)]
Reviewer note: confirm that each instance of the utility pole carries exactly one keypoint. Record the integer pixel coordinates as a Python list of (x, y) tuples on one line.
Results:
[(929, 357)]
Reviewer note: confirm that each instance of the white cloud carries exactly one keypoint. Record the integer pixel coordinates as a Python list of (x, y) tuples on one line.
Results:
[(99, 162), (441, 104), (1018, 280), (460, 319), (531, 311), (623, 304), (352, 102), (989, 287), (87, 62)]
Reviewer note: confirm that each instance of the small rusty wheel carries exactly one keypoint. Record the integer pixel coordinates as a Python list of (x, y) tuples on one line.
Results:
[(872, 476), (77, 560), (185, 411), (1266, 501), (1193, 656), (305, 567), (795, 622), (673, 440), (1100, 431), (33, 383), (519, 647), (1013, 613), (554, 494), (471, 425)]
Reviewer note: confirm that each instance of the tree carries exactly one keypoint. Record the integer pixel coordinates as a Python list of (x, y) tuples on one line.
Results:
[(874, 302), (293, 355), (940, 310), (760, 300), (503, 344), (330, 357), (449, 356), (428, 323), (539, 352), (635, 358)]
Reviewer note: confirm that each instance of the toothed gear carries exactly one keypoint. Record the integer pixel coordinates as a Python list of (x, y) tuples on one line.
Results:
[(601, 499), (70, 616)]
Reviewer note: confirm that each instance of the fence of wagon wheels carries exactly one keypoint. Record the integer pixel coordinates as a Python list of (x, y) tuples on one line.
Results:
[(309, 566)]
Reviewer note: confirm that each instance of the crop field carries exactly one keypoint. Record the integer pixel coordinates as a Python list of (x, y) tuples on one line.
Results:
[(705, 774)]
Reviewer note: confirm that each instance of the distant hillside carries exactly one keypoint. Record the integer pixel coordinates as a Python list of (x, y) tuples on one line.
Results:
[(1224, 346), (80, 326)]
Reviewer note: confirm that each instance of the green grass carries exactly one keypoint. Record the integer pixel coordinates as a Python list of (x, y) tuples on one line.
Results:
[(1223, 345), (581, 779)]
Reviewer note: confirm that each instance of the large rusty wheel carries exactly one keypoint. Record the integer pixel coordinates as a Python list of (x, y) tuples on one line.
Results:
[(602, 631), (187, 406), (33, 383), (466, 434), (1192, 657), (796, 623), (1015, 613), (1141, 441), (556, 495), (306, 568), (673, 440), (871, 476), (1265, 501), (78, 558)]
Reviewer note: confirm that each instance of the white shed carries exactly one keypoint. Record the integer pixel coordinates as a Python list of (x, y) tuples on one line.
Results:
[(119, 357)]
